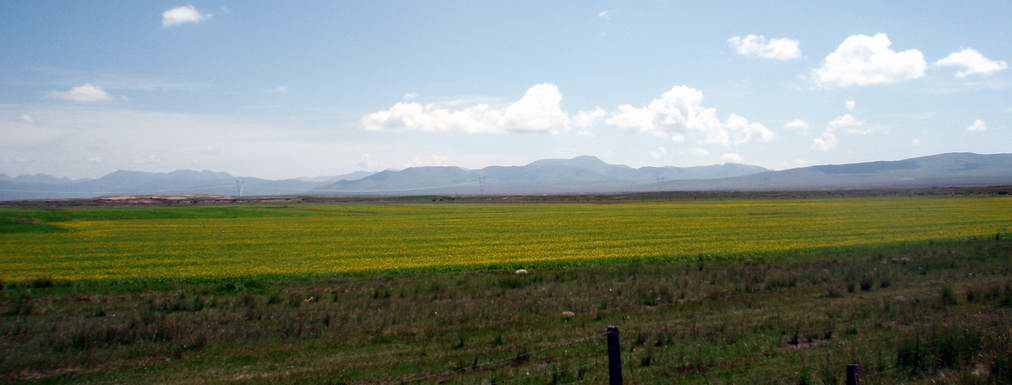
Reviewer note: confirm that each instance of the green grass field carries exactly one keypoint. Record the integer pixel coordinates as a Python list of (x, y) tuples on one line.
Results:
[(159, 243)]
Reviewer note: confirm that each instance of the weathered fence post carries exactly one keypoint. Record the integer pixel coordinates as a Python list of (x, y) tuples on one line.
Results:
[(853, 374), (614, 357)]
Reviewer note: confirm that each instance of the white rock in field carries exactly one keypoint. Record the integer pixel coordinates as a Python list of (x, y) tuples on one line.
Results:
[(520, 272)]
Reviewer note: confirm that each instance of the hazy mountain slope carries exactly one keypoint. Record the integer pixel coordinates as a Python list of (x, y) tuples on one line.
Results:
[(583, 174), (137, 182), (334, 178), (580, 174), (952, 169)]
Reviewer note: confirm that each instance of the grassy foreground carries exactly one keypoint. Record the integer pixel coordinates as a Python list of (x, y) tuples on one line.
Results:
[(923, 313), (166, 243)]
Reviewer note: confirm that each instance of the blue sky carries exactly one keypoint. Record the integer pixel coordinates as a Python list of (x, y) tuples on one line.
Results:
[(278, 90)]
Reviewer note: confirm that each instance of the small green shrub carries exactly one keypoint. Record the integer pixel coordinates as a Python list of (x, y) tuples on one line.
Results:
[(805, 377), (948, 296)]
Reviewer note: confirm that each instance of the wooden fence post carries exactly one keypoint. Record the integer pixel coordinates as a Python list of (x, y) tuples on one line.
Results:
[(614, 357), (853, 374)]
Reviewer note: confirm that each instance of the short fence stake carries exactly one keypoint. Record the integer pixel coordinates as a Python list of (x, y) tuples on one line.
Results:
[(614, 357), (853, 374)]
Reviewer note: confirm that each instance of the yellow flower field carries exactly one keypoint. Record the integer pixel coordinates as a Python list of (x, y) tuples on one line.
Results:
[(220, 242)]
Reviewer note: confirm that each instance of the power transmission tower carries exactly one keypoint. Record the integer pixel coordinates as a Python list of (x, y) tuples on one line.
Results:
[(660, 182), (239, 185), (481, 185)]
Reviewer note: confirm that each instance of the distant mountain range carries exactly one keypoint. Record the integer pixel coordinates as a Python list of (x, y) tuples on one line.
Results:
[(547, 176), (943, 170), (584, 174), (178, 182)]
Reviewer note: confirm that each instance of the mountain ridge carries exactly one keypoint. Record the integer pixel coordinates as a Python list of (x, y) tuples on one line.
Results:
[(583, 174)]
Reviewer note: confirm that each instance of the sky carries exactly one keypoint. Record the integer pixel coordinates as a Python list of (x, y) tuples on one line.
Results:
[(288, 89)]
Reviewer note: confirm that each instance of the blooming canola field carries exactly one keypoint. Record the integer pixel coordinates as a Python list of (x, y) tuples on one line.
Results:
[(139, 243)]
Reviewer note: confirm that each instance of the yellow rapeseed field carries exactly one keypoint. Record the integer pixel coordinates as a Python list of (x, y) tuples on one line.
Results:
[(219, 242)]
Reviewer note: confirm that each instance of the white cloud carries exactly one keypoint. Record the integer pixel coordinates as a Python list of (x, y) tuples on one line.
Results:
[(825, 142), (539, 110), (972, 62), (731, 158), (659, 153), (862, 60), (409, 96), (26, 119), (915, 142), (759, 46), (184, 14), (606, 15), (977, 126), (797, 124), (829, 139), (851, 105), (586, 119), (280, 90), (850, 123), (679, 113), (85, 93)]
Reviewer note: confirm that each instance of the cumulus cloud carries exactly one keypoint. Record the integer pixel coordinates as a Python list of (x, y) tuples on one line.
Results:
[(586, 119), (846, 123), (184, 14), (759, 46), (85, 93), (26, 119), (977, 126), (679, 113), (862, 60), (971, 62), (825, 142), (797, 124), (539, 110), (851, 105), (852, 124), (280, 90), (731, 158), (604, 15)]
